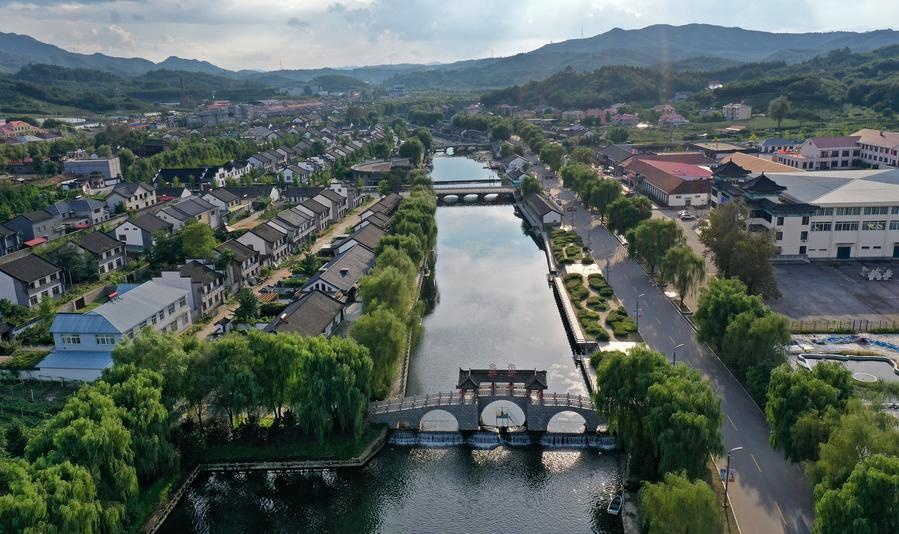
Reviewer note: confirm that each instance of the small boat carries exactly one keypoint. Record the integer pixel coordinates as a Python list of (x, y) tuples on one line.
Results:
[(450, 199), (491, 197), (614, 506), (470, 198)]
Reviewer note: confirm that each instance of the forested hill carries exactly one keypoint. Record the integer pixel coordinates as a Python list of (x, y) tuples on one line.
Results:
[(841, 77), (45, 88)]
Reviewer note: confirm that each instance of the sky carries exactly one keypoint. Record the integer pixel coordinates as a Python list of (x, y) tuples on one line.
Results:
[(272, 34)]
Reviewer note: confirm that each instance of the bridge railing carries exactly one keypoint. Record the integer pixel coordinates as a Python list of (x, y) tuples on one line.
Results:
[(418, 401), (568, 400)]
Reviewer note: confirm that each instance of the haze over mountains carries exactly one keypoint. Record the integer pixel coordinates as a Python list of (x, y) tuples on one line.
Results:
[(693, 46)]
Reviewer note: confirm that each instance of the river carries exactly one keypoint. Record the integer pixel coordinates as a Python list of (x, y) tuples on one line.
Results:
[(494, 307)]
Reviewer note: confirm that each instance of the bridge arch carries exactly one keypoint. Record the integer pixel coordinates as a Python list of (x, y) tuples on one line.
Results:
[(567, 422), (438, 421), (503, 413)]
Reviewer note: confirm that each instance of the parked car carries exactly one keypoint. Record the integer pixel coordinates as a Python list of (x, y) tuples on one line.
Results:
[(686, 215)]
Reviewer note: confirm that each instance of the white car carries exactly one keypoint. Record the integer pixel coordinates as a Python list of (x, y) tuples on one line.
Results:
[(686, 215)]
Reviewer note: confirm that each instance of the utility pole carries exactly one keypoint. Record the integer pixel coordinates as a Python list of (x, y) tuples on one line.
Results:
[(637, 312), (674, 355), (727, 472)]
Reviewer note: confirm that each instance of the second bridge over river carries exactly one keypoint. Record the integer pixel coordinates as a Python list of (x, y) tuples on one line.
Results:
[(489, 398)]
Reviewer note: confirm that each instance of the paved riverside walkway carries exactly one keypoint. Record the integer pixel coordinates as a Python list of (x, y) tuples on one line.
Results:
[(770, 494)]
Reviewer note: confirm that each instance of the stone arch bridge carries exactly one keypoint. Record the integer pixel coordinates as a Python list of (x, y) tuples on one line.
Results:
[(477, 394)]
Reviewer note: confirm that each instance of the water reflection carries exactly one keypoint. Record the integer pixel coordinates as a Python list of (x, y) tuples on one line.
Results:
[(495, 305)]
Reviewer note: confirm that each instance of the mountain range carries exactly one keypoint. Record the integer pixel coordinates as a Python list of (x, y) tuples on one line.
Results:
[(688, 47)]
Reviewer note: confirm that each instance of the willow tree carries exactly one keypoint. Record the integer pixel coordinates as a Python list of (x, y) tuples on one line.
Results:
[(682, 268), (679, 505), (652, 239), (333, 387), (89, 431), (235, 385), (279, 357), (384, 335), (164, 353)]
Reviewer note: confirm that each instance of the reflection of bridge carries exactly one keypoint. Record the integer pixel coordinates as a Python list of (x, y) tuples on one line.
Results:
[(489, 398), (502, 193)]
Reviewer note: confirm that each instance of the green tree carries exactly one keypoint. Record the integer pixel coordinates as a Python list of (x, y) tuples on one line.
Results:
[(551, 154), (582, 154), (751, 263), (751, 340), (89, 431), (72, 503), (279, 356), (866, 503), (726, 226), (104, 151), (424, 135), (197, 240), (248, 307), (778, 109), (138, 392), (683, 421), (15, 437), (234, 365), (617, 134), (384, 335), (682, 268), (399, 260), (126, 158), (386, 288), (162, 353), (413, 149), (678, 505), (601, 195), (719, 303), (652, 238), (334, 387), (409, 244), (859, 433), (529, 185), (800, 404), (22, 504), (627, 212), (500, 132)]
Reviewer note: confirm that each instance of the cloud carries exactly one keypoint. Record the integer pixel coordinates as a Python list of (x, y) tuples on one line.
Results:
[(297, 23), (316, 33)]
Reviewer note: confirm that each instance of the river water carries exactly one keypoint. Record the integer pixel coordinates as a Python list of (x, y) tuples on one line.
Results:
[(494, 307)]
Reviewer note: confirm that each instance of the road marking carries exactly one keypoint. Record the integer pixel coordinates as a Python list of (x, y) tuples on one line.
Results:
[(782, 518), (732, 423), (673, 343), (756, 462), (658, 321)]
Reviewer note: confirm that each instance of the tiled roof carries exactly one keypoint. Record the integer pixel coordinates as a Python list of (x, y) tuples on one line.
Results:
[(345, 271), (308, 316), (835, 142), (29, 268), (98, 242), (267, 233), (150, 223), (369, 236), (241, 252)]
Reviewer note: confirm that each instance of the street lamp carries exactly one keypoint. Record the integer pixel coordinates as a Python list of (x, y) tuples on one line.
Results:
[(674, 355), (637, 312), (727, 472)]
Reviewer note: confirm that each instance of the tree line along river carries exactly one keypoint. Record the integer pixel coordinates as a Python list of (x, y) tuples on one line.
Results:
[(495, 307)]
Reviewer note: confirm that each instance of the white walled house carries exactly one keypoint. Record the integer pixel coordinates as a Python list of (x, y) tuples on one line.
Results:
[(822, 153), (133, 196), (824, 214), (269, 242), (138, 233), (83, 342)]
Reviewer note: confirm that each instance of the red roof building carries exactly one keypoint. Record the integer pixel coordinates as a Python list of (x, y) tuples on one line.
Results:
[(672, 183)]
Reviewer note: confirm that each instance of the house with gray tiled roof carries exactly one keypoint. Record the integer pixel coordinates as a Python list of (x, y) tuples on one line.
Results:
[(268, 241), (28, 280), (108, 251), (132, 196)]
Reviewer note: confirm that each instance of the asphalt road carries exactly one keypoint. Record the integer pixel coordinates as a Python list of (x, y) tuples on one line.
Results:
[(770, 495)]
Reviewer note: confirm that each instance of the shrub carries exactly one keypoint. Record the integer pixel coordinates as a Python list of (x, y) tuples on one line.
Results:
[(572, 250), (566, 261), (606, 292), (586, 315), (597, 303), (597, 331), (572, 277), (623, 327), (578, 293), (587, 260)]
